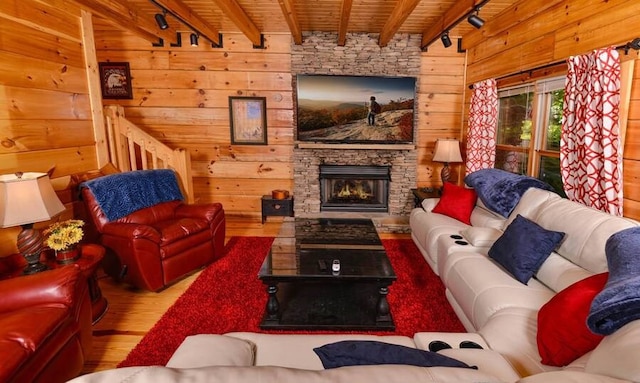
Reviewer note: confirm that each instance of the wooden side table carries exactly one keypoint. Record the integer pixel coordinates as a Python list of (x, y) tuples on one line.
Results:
[(91, 256), (420, 194), (276, 207)]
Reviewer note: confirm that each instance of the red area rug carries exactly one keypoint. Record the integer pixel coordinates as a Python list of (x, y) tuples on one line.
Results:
[(228, 296)]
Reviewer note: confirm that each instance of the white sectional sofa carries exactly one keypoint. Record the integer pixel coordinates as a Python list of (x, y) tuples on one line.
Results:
[(503, 311), (499, 313)]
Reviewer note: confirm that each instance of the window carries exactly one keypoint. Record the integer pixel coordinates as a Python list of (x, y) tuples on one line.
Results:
[(528, 132)]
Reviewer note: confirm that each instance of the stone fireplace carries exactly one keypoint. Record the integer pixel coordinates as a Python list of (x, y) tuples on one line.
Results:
[(354, 188), (400, 164)]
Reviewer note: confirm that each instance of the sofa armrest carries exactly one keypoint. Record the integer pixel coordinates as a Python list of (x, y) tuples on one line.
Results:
[(206, 211), (58, 286), (429, 203), (131, 231)]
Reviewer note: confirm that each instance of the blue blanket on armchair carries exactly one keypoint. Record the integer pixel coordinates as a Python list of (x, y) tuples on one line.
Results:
[(121, 194), (619, 301), (500, 190)]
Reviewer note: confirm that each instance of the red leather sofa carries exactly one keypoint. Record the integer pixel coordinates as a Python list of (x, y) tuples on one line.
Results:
[(45, 326), (159, 244)]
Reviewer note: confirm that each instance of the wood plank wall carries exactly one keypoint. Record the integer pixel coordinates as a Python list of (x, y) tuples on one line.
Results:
[(181, 96), (535, 33), (45, 118)]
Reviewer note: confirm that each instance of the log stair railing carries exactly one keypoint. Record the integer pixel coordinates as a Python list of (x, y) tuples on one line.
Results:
[(131, 148)]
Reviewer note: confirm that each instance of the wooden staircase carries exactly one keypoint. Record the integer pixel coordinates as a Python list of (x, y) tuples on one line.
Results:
[(131, 148)]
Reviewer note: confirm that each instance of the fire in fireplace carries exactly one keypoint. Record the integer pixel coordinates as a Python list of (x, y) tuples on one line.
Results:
[(354, 188)]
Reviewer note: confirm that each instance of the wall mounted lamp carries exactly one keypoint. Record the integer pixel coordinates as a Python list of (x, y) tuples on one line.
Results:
[(194, 39), (161, 20), (475, 20), (447, 150), (446, 40)]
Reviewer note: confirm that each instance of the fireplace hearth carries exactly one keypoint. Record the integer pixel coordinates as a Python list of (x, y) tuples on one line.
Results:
[(354, 188)]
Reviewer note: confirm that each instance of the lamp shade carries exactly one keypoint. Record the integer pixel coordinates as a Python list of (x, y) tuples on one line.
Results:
[(26, 198), (447, 150)]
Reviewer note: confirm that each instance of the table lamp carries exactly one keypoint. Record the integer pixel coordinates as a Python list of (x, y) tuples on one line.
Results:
[(26, 198), (447, 150)]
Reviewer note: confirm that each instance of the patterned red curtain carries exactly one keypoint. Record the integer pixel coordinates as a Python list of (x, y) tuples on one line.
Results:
[(483, 119), (590, 152)]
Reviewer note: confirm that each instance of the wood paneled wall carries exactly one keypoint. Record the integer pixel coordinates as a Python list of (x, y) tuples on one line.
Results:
[(181, 96), (440, 110), (535, 33), (45, 116)]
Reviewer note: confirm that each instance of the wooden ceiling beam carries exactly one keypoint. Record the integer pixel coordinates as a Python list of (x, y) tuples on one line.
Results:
[(188, 17), (237, 15), (128, 17), (397, 17), (289, 12), (458, 11), (343, 26)]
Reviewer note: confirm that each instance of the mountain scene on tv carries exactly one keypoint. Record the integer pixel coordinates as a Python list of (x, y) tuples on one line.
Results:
[(355, 109)]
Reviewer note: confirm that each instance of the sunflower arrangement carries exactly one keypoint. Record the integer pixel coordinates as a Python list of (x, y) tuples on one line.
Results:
[(62, 235)]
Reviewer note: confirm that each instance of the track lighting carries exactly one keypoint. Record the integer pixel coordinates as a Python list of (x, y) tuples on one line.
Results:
[(446, 41), (161, 20), (475, 20), (194, 40)]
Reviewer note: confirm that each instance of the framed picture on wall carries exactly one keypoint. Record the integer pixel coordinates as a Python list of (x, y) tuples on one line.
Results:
[(115, 80), (248, 117)]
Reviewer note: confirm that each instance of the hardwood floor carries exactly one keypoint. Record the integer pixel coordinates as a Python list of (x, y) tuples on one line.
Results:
[(132, 313)]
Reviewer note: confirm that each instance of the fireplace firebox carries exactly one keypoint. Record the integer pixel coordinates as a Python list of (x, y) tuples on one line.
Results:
[(354, 188)]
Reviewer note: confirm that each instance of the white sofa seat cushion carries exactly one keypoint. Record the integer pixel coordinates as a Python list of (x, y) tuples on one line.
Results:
[(482, 288), (512, 333), (296, 350)]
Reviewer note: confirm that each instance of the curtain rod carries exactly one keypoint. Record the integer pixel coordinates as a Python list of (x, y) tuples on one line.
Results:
[(633, 44)]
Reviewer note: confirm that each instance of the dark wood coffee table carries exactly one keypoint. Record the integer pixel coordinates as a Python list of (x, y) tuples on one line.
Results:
[(304, 292)]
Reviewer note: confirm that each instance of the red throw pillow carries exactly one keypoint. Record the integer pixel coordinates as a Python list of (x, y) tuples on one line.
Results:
[(456, 202), (563, 335)]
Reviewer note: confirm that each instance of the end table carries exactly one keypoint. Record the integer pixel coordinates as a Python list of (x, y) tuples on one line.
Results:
[(420, 194), (276, 207)]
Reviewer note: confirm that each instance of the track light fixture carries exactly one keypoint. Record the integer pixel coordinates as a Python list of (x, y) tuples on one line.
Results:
[(194, 40), (446, 41), (161, 20), (475, 20)]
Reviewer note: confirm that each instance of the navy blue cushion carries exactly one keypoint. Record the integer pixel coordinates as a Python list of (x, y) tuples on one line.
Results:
[(365, 352), (523, 247)]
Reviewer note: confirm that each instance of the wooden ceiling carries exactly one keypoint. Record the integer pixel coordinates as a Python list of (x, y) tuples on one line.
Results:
[(255, 18)]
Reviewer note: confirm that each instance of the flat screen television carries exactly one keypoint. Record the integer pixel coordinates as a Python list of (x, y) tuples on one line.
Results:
[(338, 109)]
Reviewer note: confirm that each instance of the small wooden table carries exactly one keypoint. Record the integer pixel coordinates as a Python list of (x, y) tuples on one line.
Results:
[(420, 194), (276, 207), (91, 256)]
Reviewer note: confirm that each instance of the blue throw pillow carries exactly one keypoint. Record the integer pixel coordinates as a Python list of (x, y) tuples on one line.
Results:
[(523, 248), (365, 352)]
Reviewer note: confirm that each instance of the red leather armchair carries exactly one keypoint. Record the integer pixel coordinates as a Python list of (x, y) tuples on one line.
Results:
[(45, 326), (160, 244)]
